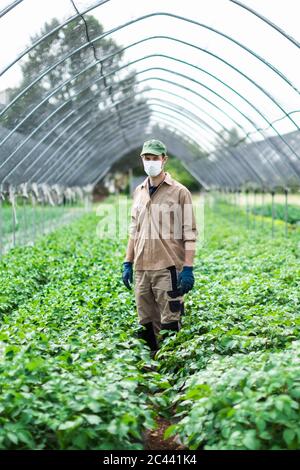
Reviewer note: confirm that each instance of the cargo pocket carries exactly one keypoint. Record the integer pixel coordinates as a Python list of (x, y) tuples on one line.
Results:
[(174, 292)]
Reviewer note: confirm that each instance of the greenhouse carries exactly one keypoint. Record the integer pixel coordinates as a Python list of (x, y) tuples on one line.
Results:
[(110, 340)]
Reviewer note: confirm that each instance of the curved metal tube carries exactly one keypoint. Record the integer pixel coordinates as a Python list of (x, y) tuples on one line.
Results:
[(171, 15), (9, 7), (153, 68), (154, 55), (181, 18), (189, 90), (268, 22), (113, 132)]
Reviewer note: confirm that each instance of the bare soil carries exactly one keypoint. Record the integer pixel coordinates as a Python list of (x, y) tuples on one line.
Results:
[(154, 440)]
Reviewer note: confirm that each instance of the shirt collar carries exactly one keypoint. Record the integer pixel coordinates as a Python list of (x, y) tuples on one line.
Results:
[(168, 179)]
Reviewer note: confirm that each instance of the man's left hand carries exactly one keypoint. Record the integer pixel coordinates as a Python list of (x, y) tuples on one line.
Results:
[(186, 279)]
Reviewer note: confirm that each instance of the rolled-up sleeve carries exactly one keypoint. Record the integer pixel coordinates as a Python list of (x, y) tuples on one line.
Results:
[(189, 226)]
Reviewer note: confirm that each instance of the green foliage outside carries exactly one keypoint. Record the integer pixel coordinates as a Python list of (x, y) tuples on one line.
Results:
[(178, 172), (61, 72), (72, 374), (234, 367), (293, 212), (70, 370), (28, 216)]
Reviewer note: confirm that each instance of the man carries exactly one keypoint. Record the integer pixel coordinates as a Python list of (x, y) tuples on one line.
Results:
[(161, 246)]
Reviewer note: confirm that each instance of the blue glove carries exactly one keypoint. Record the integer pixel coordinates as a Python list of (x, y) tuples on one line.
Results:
[(127, 274), (186, 279)]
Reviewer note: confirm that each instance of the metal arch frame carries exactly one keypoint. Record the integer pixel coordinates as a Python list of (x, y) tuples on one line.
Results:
[(9, 7), (101, 138), (154, 78), (80, 117), (41, 39), (268, 22), (189, 115), (176, 84), (94, 64), (195, 81), (186, 100), (198, 176), (248, 134), (170, 15), (105, 162), (198, 166), (30, 135), (112, 131), (233, 173), (164, 134), (81, 146), (205, 171), (75, 143), (245, 116), (157, 13), (221, 162), (250, 167), (101, 61), (107, 145), (102, 173)]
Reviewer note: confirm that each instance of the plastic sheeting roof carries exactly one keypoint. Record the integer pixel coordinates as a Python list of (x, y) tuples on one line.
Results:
[(85, 94)]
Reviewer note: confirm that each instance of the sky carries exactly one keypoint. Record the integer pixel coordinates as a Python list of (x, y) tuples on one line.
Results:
[(28, 17)]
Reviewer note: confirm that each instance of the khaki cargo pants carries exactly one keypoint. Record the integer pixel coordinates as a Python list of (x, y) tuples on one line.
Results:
[(157, 297)]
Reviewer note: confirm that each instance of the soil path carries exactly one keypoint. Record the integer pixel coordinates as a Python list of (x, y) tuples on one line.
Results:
[(154, 440)]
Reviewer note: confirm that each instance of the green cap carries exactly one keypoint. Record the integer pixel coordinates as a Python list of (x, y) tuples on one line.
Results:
[(155, 147)]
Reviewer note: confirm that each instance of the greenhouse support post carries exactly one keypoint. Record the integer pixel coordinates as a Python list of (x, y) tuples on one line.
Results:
[(286, 208), (273, 211), (262, 204), (25, 220), (1, 225), (247, 208)]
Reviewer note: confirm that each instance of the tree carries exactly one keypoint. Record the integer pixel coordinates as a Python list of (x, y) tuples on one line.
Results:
[(88, 91), (229, 138)]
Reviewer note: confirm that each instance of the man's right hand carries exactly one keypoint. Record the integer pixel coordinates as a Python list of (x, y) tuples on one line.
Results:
[(127, 274)]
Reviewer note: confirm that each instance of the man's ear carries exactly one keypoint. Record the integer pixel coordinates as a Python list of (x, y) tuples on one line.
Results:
[(165, 159)]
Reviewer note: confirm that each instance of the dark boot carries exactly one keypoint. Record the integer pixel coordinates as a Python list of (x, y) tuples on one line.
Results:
[(148, 335), (173, 326)]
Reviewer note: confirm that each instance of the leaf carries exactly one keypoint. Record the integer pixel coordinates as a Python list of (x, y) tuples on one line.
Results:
[(170, 431), (70, 425), (26, 437), (250, 441), (288, 436), (94, 406), (93, 419), (13, 437), (35, 364)]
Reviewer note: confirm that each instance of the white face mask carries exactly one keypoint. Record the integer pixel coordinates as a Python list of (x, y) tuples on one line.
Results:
[(152, 168)]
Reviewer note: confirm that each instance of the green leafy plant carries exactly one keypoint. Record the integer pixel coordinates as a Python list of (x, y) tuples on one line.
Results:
[(72, 373)]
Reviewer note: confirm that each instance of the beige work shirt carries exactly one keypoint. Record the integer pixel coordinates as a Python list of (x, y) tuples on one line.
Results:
[(163, 225)]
